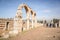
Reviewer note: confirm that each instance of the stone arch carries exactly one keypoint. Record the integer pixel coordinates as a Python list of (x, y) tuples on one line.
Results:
[(18, 18)]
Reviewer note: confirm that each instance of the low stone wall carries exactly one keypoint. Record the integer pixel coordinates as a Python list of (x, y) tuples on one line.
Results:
[(6, 24)]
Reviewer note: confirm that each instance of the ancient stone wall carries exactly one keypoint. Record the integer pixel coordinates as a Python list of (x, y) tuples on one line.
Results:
[(6, 24)]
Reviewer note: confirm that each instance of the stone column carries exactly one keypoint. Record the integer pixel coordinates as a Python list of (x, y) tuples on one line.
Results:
[(43, 21), (18, 21), (35, 20), (59, 23), (51, 23), (6, 26), (56, 25), (28, 20), (32, 21)]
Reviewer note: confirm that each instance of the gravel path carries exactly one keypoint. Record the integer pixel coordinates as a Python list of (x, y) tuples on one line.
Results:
[(40, 33)]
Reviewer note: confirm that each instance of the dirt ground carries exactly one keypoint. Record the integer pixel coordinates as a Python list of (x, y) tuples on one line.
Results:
[(40, 33)]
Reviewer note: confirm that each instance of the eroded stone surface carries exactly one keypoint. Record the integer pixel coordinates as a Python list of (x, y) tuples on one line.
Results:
[(18, 23)]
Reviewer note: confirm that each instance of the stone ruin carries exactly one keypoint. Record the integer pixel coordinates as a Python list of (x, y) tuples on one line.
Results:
[(14, 26), (18, 21)]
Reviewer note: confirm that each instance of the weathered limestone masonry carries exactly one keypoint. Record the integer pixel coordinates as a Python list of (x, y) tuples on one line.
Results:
[(18, 18), (6, 24)]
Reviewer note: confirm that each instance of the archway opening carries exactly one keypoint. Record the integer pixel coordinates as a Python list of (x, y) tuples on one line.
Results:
[(24, 19)]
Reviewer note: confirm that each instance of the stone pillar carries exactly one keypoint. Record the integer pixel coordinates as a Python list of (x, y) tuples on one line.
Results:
[(43, 21), (6, 26), (28, 20), (32, 21), (35, 20), (51, 23), (18, 21), (59, 23), (56, 25)]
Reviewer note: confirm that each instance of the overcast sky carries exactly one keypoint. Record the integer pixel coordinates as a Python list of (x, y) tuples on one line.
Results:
[(47, 9)]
